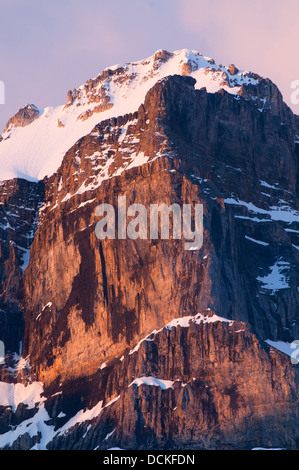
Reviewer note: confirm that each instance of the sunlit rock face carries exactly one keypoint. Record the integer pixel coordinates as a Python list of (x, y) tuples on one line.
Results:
[(162, 347)]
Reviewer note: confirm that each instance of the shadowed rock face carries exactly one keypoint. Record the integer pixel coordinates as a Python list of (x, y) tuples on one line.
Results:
[(19, 204), (87, 302)]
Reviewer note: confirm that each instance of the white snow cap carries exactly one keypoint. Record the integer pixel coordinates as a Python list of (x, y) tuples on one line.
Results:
[(37, 150)]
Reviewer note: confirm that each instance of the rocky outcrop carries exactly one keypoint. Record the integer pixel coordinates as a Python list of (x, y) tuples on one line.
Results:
[(94, 91), (233, 70), (25, 116)]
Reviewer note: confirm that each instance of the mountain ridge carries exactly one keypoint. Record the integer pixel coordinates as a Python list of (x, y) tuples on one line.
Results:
[(116, 91)]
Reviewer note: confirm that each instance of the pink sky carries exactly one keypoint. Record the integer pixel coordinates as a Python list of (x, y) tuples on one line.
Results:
[(47, 48)]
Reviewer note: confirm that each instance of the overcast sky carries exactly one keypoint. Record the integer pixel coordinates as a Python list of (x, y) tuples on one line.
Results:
[(49, 47)]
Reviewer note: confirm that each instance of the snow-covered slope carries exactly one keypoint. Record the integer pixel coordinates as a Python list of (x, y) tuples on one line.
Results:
[(37, 149)]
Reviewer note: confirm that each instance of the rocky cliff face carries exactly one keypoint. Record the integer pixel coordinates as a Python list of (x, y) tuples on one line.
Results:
[(19, 204), (223, 390), (95, 310)]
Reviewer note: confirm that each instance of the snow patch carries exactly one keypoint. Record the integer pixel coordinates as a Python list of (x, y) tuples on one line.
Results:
[(277, 277), (153, 381), (259, 242), (13, 395), (282, 346)]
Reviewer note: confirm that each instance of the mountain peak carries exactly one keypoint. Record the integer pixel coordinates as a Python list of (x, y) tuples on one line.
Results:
[(116, 91), (25, 116)]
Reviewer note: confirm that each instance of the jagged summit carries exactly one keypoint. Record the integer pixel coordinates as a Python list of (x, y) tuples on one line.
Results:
[(182, 62), (25, 116), (34, 141)]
